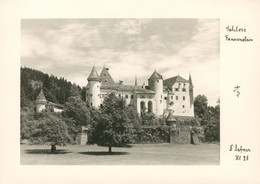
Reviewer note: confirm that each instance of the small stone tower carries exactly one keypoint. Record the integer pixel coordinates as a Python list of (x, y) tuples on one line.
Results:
[(93, 89), (155, 83), (40, 102), (170, 120)]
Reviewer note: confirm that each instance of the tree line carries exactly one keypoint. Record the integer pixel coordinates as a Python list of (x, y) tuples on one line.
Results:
[(56, 90), (114, 124)]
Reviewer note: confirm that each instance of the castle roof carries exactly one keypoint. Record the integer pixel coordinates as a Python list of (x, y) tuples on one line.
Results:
[(55, 105), (93, 75), (156, 75), (169, 82), (125, 88), (41, 97), (170, 117), (105, 77)]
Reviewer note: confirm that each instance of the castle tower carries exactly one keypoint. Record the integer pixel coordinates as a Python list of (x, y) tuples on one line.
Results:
[(155, 83), (93, 88), (191, 96), (136, 81), (40, 102)]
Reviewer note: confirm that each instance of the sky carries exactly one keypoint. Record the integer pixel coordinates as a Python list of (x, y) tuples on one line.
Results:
[(128, 47)]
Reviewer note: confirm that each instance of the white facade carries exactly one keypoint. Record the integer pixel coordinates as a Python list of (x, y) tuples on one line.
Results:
[(159, 97)]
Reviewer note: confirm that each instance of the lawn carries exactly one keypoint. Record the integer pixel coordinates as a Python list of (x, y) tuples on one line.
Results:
[(136, 154)]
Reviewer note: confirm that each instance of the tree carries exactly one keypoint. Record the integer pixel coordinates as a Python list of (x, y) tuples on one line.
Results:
[(27, 124), (76, 114), (77, 109), (50, 129), (112, 124), (201, 106), (149, 119)]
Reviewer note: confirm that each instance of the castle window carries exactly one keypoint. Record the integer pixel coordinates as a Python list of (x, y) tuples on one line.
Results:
[(161, 96), (165, 98), (142, 96), (184, 89), (176, 89), (132, 96), (177, 98), (126, 96), (171, 103), (105, 74), (183, 97), (119, 95), (171, 97), (183, 106), (157, 80), (105, 80), (97, 86), (150, 106)]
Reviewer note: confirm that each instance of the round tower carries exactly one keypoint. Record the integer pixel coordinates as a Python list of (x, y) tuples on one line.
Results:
[(156, 84), (93, 89), (40, 102)]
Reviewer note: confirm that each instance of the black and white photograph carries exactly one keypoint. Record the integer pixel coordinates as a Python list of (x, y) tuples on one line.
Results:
[(129, 92), (120, 92)]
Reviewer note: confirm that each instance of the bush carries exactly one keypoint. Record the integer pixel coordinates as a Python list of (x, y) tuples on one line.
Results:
[(212, 132), (153, 134)]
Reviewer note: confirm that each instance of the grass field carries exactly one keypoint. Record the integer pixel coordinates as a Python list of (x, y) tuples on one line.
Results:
[(137, 154)]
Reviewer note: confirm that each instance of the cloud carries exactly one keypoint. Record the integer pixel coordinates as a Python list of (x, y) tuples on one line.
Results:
[(32, 45), (128, 47), (129, 27)]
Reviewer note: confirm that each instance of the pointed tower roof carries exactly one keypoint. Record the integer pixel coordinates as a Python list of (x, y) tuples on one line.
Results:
[(170, 117), (93, 75), (190, 80), (156, 75), (105, 77), (41, 97)]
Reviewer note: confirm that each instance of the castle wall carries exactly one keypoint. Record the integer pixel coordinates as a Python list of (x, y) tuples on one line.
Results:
[(93, 93), (145, 99), (40, 107), (157, 86), (180, 101)]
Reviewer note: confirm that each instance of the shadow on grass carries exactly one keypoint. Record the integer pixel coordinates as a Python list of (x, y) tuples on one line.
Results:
[(103, 153), (46, 151)]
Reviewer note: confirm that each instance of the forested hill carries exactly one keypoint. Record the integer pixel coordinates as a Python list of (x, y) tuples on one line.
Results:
[(56, 90)]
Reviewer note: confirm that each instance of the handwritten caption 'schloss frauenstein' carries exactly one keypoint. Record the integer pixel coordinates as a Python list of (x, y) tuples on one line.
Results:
[(236, 29)]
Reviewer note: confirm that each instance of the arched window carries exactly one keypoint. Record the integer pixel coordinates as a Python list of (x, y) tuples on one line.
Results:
[(150, 106), (142, 106)]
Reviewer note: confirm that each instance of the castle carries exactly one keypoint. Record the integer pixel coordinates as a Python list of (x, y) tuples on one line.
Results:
[(42, 104), (161, 97)]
